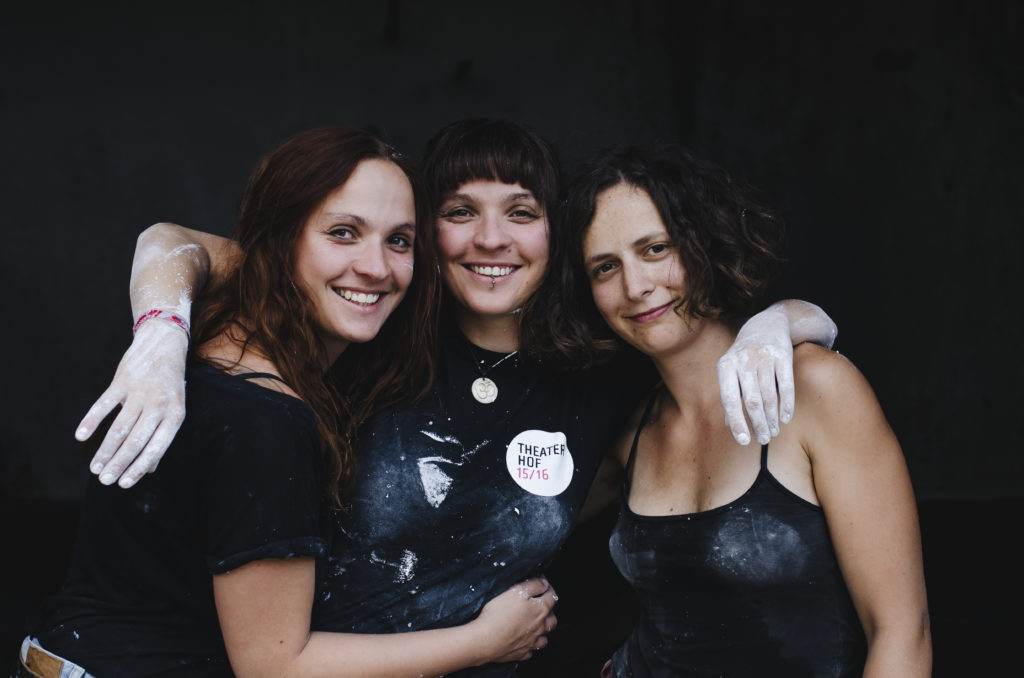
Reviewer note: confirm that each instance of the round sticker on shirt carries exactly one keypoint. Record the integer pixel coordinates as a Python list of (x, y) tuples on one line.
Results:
[(539, 462)]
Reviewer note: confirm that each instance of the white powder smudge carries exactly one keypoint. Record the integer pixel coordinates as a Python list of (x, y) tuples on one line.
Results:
[(442, 439), (405, 568), (452, 440), (436, 482), (757, 549)]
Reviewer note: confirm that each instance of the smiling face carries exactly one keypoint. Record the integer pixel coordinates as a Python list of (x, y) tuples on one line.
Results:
[(354, 258), (635, 272), (493, 238)]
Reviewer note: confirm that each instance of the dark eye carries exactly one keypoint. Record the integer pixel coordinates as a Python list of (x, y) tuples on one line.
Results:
[(457, 213), (658, 248), (400, 241), (342, 233), (523, 214), (602, 269)]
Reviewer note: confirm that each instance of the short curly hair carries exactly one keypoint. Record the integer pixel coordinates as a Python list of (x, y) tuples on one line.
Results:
[(729, 244)]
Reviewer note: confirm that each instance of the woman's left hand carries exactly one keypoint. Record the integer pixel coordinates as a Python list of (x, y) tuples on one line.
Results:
[(756, 374)]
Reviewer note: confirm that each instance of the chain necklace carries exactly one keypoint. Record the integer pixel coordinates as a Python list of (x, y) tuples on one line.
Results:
[(484, 389)]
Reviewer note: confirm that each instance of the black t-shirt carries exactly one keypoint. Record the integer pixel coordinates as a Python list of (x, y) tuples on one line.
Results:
[(241, 482), (457, 500)]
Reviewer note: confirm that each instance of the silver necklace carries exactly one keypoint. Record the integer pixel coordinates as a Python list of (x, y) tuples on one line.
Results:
[(484, 389)]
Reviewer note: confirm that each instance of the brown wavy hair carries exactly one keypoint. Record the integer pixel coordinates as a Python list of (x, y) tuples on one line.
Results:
[(730, 246), (261, 308)]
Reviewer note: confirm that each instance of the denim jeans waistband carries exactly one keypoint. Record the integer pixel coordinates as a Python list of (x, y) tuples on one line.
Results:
[(36, 662)]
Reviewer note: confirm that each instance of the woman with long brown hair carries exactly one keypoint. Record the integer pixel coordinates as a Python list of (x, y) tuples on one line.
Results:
[(208, 567)]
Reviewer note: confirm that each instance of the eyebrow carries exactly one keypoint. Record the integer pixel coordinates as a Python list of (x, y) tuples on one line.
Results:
[(642, 240), (357, 220), (344, 216), (511, 197)]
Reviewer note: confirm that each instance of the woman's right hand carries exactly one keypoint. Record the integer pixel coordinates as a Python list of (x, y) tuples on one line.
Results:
[(150, 388), (517, 622)]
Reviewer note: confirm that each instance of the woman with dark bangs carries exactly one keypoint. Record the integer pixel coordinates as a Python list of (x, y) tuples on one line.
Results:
[(770, 562), (208, 566), (474, 486)]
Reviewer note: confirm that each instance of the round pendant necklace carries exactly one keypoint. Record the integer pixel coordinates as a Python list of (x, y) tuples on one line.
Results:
[(484, 389)]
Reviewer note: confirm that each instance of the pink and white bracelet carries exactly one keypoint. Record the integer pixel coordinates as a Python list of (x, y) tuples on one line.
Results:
[(157, 313)]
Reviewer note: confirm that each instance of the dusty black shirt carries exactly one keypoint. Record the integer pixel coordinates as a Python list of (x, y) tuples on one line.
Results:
[(752, 588), (241, 482), (458, 500)]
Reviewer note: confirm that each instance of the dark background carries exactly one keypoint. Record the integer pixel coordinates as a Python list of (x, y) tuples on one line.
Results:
[(890, 137)]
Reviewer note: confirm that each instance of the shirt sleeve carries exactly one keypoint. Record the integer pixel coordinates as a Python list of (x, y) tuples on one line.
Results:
[(264, 488)]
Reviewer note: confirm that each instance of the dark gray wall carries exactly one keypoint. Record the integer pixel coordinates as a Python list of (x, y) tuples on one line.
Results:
[(889, 136)]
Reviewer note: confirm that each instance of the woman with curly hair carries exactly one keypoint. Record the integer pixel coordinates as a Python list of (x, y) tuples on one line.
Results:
[(777, 561)]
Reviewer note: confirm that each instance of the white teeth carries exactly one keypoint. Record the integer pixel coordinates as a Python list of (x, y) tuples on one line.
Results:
[(491, 270), (359, 297)]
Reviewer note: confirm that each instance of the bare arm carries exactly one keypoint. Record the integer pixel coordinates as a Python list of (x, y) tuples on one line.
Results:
[(863, 485), (756, 373), (264, 609), (171, 265)]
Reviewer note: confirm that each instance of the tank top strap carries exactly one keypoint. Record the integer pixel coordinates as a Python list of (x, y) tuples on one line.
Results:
[(628, 475), (260, 375)]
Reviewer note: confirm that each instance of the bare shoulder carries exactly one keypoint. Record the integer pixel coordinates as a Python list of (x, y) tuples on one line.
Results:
[(821, 373), (833, 399)]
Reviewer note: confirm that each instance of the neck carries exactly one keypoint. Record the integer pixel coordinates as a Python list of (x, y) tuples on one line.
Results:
[(334, 351), (493, 333), (690, 374), (227, 348)]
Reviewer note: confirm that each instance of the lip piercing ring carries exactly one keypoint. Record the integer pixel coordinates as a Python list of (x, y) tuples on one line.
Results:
[(492, 283)]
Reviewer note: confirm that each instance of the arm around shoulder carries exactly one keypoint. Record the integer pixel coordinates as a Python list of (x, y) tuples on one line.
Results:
[(171, 265), (807, 322), (863, 484)]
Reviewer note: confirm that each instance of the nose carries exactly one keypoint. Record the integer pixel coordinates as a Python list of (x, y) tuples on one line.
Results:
[(490, 233), (635, 282), (372, 262)]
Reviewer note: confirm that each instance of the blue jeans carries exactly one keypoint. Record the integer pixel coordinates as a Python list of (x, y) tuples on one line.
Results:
[(35, 662)]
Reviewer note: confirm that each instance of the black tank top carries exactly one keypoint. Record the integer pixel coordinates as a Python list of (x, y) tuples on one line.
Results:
[(752, 588)]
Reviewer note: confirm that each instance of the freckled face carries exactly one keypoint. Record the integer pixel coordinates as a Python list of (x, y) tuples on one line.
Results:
[(354, 257), (635, 272), (494, 247)]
